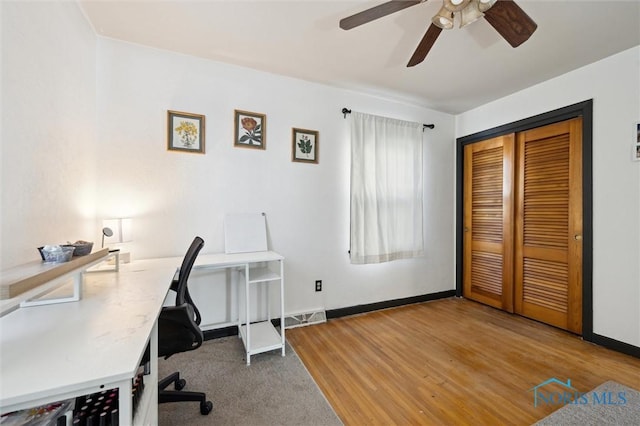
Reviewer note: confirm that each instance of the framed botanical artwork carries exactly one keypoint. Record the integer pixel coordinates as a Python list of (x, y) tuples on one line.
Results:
[(304, 145), (250, 130), (185, 132)]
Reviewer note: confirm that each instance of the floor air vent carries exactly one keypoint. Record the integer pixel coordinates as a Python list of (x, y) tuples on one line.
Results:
[(306, 318)]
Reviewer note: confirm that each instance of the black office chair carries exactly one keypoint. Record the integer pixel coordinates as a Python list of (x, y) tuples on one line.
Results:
[(179, 331)]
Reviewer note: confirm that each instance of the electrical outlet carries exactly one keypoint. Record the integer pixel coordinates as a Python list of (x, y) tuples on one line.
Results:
[(318, 285)]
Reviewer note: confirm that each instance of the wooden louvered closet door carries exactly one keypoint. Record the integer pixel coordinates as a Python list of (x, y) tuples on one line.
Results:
[(548, 247), (488, 222)]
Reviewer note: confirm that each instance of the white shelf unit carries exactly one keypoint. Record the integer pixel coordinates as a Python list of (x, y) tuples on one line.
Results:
[(25, 285), (261, 336)]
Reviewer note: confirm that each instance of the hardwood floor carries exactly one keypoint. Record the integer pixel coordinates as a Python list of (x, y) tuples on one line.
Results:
[(450, 361)]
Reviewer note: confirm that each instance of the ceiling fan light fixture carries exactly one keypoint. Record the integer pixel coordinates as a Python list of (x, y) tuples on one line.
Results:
[(443, 19), (485, 5), (510, 21), (470, 14)]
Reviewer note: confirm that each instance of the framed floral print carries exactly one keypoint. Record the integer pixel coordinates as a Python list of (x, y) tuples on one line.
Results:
[(304, 145), (250, 130), (185, 132)]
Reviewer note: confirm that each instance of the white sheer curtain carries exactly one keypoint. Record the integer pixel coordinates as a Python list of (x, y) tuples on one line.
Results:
[(386, 189)]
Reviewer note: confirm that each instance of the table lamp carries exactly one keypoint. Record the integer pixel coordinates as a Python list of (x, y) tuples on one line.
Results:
[(118, 231)]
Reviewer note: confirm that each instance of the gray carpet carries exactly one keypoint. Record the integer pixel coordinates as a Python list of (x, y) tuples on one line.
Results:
[(593, 412), (273, 390)]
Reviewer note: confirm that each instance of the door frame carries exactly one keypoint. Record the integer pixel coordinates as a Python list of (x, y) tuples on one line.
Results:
[(582, 109)]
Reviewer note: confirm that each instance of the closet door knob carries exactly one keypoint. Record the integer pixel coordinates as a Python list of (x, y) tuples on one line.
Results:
[(466, 229), (577, 237)]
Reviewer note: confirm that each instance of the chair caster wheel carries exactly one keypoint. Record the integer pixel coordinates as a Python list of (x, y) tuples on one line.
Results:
[(180, 384), (206, 407)]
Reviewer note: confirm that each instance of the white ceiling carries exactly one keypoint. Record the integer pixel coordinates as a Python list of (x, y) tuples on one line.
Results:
[(301, 38)]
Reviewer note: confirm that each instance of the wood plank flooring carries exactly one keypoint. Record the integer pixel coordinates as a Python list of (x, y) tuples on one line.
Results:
[(450, 361)]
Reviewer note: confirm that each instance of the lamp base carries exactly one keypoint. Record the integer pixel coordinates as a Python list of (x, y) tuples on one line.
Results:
[(125, 257)]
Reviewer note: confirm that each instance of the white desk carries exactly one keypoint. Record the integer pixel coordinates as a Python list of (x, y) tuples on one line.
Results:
[(259, 336), (54, 352)]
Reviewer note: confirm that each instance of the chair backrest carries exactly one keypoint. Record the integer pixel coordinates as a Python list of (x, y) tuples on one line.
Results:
[(178, 329), (185, 270)]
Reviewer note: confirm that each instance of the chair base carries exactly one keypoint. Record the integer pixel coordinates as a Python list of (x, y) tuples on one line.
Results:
[(178, 395)]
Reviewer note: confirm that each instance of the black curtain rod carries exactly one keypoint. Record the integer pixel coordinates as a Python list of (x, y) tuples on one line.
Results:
[(346, 111)]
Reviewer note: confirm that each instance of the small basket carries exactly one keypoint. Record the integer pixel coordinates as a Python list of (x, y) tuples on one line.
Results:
[(83, 248), (55, 255)]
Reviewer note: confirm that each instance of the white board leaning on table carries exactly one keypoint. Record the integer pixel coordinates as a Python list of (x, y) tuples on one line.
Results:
[(244, 233)]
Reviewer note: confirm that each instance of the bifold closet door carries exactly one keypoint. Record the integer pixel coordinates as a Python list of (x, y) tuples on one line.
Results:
[(548, 246), (488, 221)]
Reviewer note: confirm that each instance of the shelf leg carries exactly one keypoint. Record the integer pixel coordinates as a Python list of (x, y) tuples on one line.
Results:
[(125, 406), (238, 298), (282, 305), (247, 308), (77, 286), (77, 294)]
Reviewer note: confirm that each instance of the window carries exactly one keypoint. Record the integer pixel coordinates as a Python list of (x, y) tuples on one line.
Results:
[(386, 189)]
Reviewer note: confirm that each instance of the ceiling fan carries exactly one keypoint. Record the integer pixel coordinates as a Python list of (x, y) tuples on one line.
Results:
[(513, 24)]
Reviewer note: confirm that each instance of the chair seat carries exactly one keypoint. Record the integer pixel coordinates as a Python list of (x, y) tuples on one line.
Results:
[(174, 340), (177, 331)]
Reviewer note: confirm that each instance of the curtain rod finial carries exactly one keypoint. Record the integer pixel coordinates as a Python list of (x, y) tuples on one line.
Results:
[(346, 111)]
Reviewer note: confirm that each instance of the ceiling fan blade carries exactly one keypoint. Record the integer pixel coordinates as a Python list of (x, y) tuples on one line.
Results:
[(513, 24), (376, 12), (425, 45)]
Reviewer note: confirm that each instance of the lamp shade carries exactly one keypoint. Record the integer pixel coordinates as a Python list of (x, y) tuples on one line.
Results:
[(470, 14), (122, 230), (485, 5), (443, 19), (455, 5)]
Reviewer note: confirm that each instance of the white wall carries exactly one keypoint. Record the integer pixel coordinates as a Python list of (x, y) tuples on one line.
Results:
[(173, 196), (48, 128), (614, 85)]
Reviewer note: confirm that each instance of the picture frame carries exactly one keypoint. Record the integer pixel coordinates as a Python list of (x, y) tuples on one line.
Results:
[(185, 132), (250, 130), (635, 154), (304, 145)]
